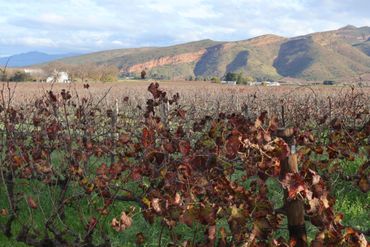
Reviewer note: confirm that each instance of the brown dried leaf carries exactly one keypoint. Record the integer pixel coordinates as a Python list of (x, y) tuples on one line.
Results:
[(124, 222), (4, 212), (155, 205), (31, 203)]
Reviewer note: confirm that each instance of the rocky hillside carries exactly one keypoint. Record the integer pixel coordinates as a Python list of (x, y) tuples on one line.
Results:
[(341, 53)]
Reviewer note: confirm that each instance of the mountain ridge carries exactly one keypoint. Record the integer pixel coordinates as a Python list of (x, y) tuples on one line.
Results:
[(334, 54), (31, 58)]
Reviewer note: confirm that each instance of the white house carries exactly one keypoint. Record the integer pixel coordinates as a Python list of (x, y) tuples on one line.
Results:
[(265, 83), (33, 71), (273, 84), (255, 83), (228, 82), (59, 77)]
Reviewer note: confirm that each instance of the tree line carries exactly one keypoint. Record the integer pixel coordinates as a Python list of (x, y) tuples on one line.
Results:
[(88, 71)]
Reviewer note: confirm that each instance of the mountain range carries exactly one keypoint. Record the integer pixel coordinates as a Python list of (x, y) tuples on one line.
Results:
[(31, 58), (336, 54)]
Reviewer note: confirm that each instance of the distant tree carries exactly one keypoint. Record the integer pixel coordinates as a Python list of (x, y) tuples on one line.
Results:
[(3, 75), (108, 73), (264, 78), (94, 73), (199, 78), (244, 80), (20, 76), (143, 74), (231, 76), (240, 78), (82, 71), (248, 79), (50, 68)]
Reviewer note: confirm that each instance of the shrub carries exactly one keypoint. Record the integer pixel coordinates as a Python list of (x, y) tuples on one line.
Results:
[(215, 80)]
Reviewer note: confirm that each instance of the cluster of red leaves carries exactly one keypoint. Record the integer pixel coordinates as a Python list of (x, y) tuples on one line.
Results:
[(215, 170)]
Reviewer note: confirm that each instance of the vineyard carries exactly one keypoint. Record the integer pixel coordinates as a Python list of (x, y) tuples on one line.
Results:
[(203, 166)]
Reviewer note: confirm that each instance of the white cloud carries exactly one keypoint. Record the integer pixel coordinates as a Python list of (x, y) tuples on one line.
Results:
[(32, 41), (51, 18), (117, 42), (28, 41), (75, 25)]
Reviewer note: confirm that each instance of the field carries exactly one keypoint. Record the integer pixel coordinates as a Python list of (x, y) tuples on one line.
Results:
[(183, 164)]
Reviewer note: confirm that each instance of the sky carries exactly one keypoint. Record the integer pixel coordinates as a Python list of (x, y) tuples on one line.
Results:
[(82, 26)]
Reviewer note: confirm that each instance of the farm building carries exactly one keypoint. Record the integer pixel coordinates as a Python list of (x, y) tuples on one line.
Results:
[(228, 82), (59, 77), (255, 83), (273, 84), (33, 71), (265, 83)]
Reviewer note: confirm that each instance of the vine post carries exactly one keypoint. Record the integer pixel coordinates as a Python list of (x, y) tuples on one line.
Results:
[(294, 208)]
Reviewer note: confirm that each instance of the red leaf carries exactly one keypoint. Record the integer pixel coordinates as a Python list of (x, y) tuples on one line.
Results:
[(136, 174), (147, 138), (294, 183), (91, 224), (363, 183), (232, 146), (154, 90), (184, 147), (102, 170), (181, 113), (260, 120), (115, 170), (212, 234), (273, 124), (169, 147), (31, 203), (140, 238)]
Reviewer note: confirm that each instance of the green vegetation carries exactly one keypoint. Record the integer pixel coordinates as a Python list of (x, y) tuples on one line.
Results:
[(20, 76), (17, 76), (238, 77), (215, 80)]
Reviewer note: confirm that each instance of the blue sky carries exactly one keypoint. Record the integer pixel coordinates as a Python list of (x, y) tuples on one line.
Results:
[(59, 26)]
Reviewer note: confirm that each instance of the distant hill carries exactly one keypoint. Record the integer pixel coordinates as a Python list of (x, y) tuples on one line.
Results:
[(30, 58), (336, 54)]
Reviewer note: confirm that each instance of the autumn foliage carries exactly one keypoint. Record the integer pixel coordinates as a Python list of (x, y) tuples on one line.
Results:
[(68, 161)]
